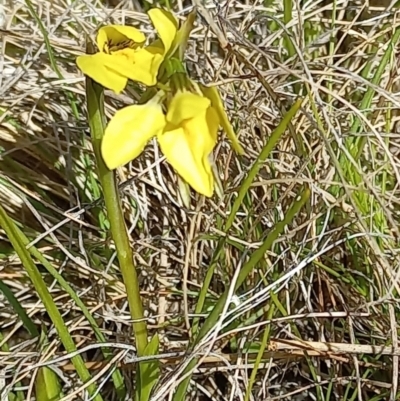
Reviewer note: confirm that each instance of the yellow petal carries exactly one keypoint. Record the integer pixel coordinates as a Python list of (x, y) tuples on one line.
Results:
[(137, 65), (147, 61), (117, 34), (113, 70), (212, 93), (187, 149), (186, 105), (128, 132), (166, 26), (95, 67), (202, 132)]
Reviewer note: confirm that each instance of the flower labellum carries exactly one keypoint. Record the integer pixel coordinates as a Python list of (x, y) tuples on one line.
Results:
[(128, 132), (123, 55)]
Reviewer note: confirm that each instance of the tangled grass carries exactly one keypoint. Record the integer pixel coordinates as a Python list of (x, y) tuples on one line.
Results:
[(317, 319)]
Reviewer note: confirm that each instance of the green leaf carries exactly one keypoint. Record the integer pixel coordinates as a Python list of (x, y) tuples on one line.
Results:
[(47, 386), (14, 236), (260, 353), (19, 310), (247, 268), (149, 371), (117, 377), (266, 150)]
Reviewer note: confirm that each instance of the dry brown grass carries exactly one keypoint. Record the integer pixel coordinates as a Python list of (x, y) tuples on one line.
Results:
[(335, 271)]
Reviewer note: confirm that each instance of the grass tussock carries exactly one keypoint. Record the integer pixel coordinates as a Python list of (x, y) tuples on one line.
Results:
[(316, 315)]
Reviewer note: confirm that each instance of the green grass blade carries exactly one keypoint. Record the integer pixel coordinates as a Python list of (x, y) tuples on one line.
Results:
[(50, 53), (246, 269), (149, 371), (206, 285), (266, 150), (368, 96), (287, 17), (273, 236), (12, 233), (117, 377), (47, 385), (19, 310), (260, 353), (244, 188)]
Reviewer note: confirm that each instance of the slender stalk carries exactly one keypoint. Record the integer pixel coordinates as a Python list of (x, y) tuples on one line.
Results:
[(287, 17), (95, 104)]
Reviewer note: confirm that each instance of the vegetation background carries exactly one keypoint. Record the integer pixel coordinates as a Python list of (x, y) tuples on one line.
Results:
[(317, 316)]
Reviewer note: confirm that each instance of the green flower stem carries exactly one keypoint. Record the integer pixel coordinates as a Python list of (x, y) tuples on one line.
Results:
[(40, 286), (95, 105)]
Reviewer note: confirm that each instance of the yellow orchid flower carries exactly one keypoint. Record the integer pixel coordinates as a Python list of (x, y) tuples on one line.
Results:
[(187, 135), (122, 54)]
